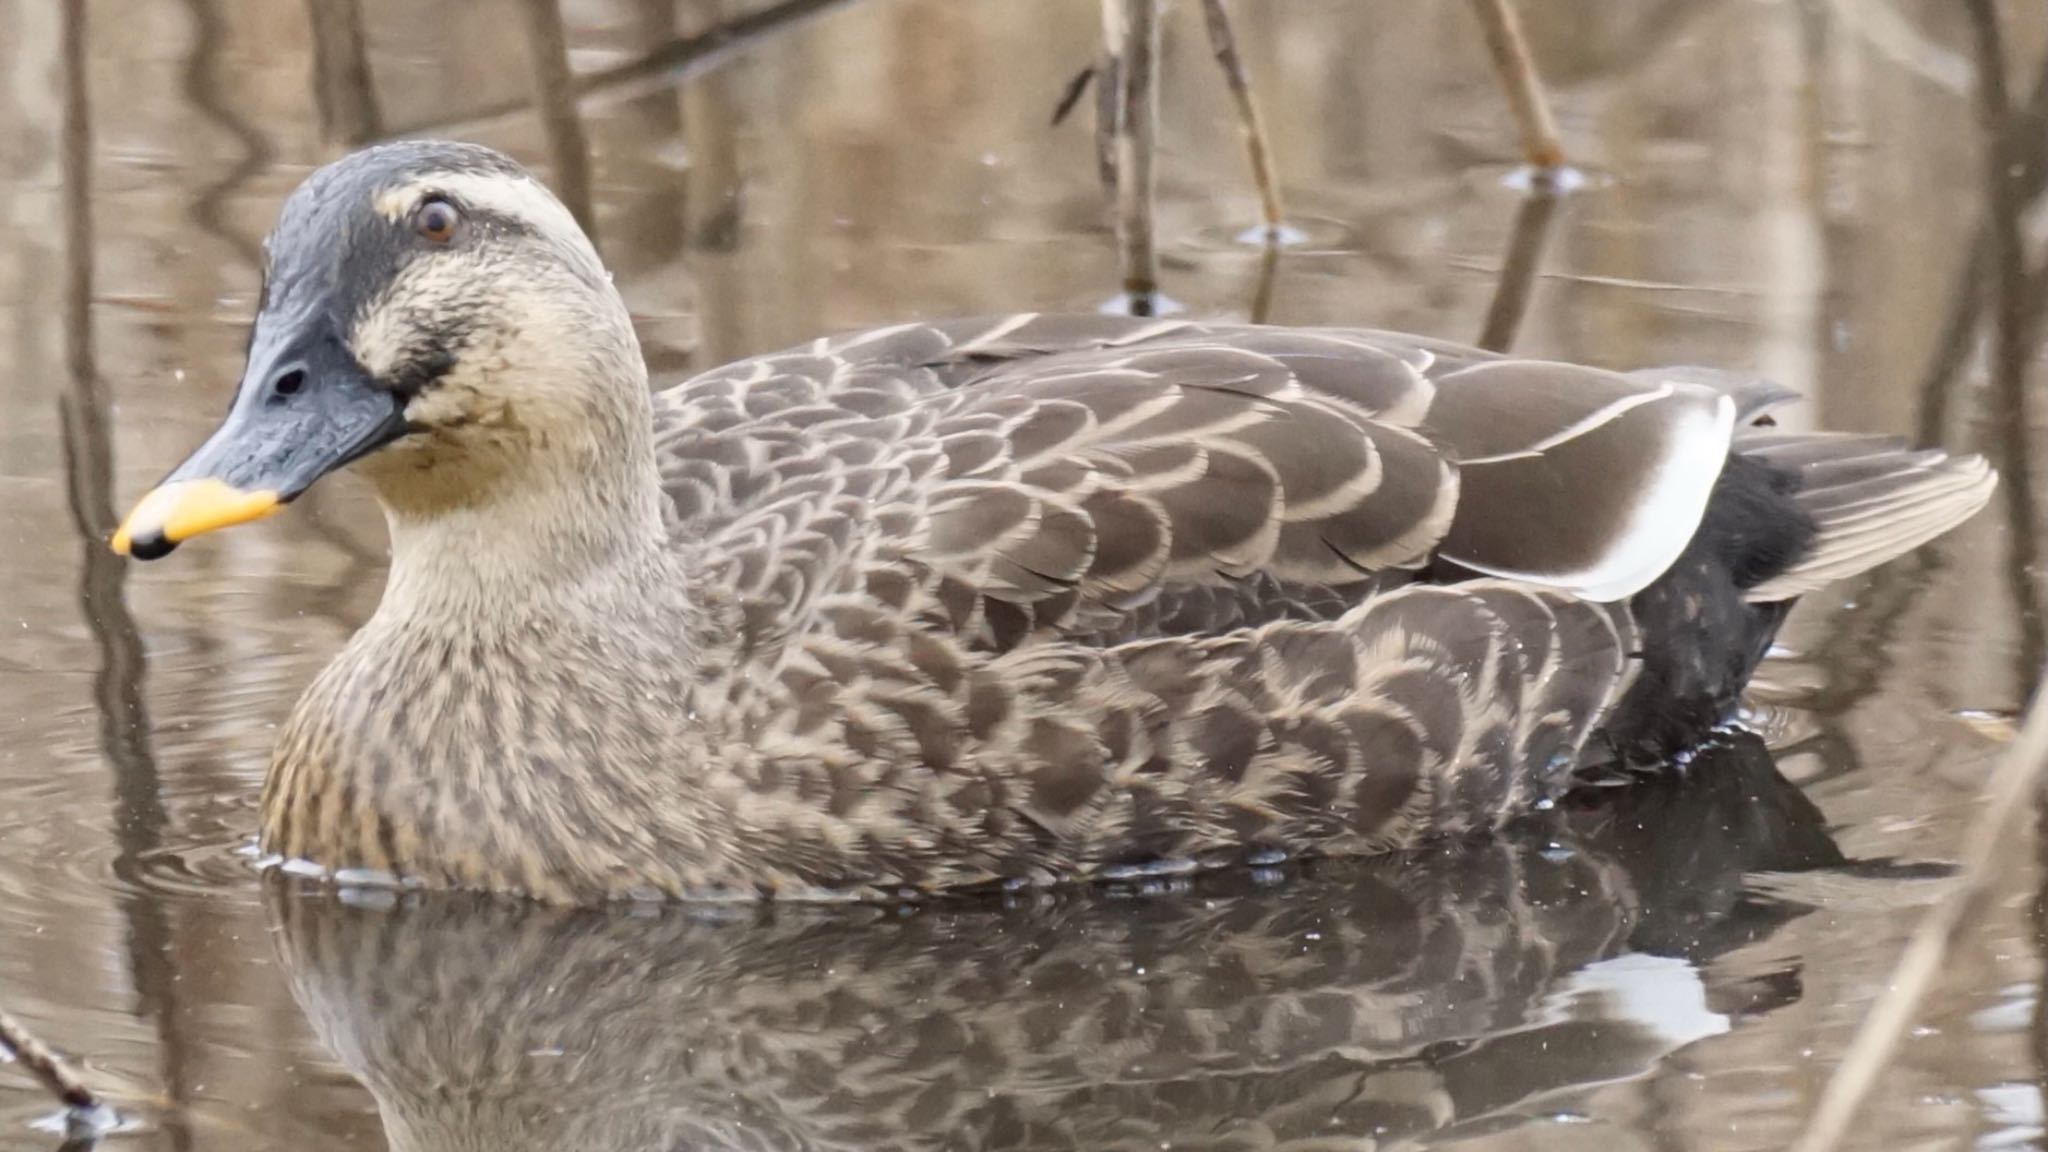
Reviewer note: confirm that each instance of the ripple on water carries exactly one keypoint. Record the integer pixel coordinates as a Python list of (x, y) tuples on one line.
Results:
[(52, 821), (205, 869), (1562, 181), (1307, 235), (1782, 726), (81, 824), (72, 879)]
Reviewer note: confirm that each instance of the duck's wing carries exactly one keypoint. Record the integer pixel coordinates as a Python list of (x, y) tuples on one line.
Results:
[(891, 528), (1313, 457), (1082, 467)]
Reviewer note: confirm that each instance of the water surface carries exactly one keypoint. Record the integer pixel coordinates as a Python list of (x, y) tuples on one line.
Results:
[(1792, 188)]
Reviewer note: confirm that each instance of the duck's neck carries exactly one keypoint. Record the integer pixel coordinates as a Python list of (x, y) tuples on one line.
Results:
[(573, 523)]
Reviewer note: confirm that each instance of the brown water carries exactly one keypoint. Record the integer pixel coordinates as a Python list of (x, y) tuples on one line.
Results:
[(1787, 187)]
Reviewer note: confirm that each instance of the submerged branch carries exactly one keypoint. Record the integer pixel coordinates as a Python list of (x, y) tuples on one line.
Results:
[(671, 63)]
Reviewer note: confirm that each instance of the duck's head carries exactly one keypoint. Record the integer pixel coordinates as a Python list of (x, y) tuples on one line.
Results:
[(431, 314)]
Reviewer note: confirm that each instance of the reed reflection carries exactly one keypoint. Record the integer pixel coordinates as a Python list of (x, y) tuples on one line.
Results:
[(140, 819)]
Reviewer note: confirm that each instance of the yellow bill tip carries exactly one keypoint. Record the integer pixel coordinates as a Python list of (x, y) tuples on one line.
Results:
[(182, 509)]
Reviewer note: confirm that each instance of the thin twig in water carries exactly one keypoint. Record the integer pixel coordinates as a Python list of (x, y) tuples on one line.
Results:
[(2005, 802), (1134, 27), (1224, 41), (671, 63), (1109, 95), (1540, 145), (57, 1078), (1071, 97)]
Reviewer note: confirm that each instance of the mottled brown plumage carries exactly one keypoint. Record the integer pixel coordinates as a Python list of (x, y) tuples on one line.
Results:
[(1013, 599)]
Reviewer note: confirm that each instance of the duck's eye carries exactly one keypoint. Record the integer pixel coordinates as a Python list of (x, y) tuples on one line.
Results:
[(436, 220)]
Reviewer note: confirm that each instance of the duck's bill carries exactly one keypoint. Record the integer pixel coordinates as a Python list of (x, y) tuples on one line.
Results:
[(272, 447), (178, 510)]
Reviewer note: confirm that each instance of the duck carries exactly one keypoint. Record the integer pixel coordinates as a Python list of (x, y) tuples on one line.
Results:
[(1000, 601)]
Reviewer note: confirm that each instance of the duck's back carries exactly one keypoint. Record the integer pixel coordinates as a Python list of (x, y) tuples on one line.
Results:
[(1038, 595)]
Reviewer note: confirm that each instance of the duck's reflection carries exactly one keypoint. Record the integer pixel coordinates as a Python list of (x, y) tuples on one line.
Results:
[(1381, 999)]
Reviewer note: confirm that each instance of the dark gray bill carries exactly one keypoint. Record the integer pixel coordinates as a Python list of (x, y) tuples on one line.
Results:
[(305, 408)]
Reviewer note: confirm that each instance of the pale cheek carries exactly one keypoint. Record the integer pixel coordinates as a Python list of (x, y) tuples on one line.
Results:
[(412, 311), (460, 400), (377, 343), (528, 377)]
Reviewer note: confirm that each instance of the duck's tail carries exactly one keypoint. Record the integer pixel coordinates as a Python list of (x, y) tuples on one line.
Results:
[(1870, 499), (1791, 512)]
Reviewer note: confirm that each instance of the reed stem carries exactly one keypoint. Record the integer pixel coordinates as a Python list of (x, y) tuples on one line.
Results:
[(1510, 49), (1223, 40), (1131, 30)]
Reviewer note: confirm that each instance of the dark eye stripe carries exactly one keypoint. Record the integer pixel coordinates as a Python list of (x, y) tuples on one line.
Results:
[(422, 367)]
